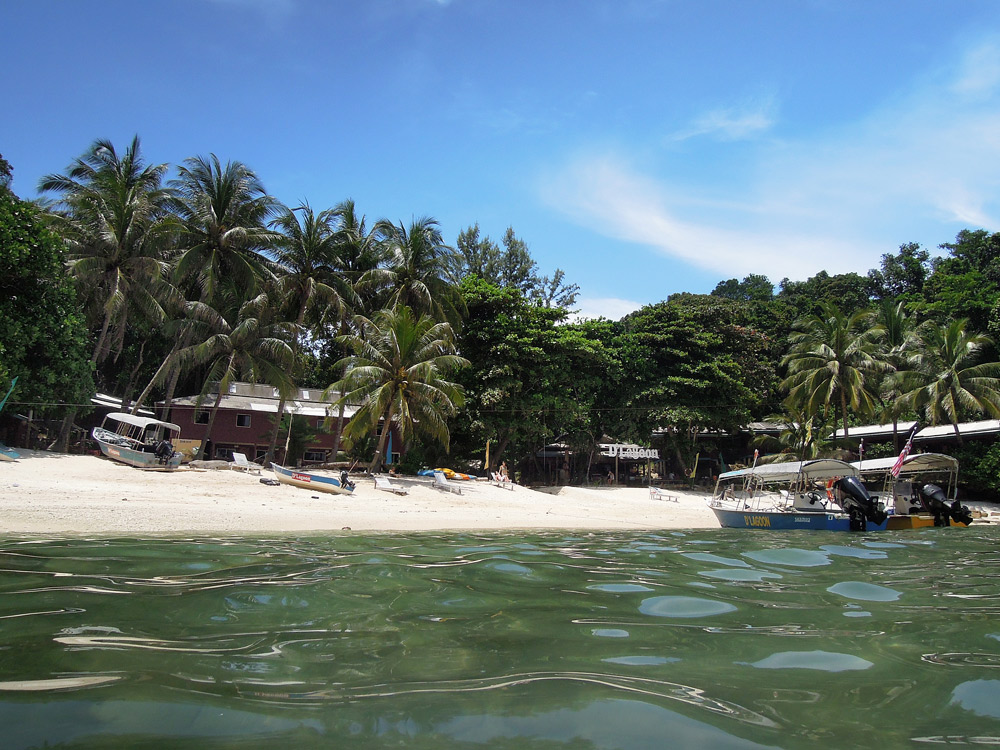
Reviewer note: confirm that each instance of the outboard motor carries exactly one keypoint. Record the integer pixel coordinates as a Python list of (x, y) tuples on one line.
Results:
[(936, 502), (344, 481), (858, 504), (164, 451)]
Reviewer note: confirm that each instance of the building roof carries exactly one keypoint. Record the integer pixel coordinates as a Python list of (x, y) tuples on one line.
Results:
[(966, 429), (264, 398), (113, 402), (877, 430)]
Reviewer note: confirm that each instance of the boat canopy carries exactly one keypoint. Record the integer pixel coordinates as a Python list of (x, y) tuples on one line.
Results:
[(141, 422), (820, 468), (914, 463)]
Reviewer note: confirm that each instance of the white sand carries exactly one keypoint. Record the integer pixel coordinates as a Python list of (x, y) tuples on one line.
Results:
[(54, 493)]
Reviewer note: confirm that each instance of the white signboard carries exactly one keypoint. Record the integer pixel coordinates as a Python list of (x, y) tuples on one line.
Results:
[(629, 451)]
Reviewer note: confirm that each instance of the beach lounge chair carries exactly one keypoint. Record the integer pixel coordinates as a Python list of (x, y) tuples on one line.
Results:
[(240, 462), (384, 483), (656, 493), (499, 481), (441, 482)]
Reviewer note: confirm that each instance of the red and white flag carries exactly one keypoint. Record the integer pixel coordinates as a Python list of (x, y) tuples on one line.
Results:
[(896, 467)]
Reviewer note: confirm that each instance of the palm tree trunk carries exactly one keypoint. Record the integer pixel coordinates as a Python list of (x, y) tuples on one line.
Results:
[(132, 377), (281, 402), (168, 397), (387, 425), (339, 429), (211, 423), (274, 433), (843, 412), (149, 387)]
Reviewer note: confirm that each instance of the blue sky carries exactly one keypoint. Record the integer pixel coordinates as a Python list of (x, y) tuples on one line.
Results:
[(644, 146)]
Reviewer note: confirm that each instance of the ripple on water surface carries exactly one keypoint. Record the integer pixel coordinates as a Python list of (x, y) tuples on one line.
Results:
[(684, 606), (613, 641)]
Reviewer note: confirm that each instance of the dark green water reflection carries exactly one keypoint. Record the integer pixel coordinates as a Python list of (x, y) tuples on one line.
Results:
[(719, 639)]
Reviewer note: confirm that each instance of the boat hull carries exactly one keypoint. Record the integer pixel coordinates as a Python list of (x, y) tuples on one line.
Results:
[(309, 481), (138, 459), (782, 521), (904, 522)]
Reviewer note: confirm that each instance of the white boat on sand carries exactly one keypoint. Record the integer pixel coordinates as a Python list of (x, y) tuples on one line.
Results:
[(138, 441)]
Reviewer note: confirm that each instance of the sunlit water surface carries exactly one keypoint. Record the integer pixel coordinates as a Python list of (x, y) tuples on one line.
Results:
[(723, 639)]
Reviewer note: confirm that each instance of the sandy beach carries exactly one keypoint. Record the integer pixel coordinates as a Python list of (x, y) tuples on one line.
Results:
[(55, 493)]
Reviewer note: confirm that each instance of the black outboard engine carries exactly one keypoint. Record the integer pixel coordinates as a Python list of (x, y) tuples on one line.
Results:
[(858, 504), (164, 451), (936, 503), (344, 481)]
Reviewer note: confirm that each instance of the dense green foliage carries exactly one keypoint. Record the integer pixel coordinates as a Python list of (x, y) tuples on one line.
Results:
[(43, 341), (173, 285), (531, 381)]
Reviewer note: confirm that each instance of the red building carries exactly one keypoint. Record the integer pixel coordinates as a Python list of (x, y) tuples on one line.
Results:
[(245, 421)]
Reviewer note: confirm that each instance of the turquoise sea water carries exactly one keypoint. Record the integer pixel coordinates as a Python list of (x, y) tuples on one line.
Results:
[(718, 639)]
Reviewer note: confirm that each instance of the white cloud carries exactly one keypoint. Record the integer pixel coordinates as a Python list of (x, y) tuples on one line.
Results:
[(836, 200), (611, 308), (733, 123)]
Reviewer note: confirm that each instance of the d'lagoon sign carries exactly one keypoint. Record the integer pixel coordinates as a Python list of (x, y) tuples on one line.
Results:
[(620, 450)]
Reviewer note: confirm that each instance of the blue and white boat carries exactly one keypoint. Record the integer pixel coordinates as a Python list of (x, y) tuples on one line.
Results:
[(312, 481), (821, 494), (138, 441)]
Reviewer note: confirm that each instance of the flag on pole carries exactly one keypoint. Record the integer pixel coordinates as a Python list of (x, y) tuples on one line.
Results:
[(896, 467)]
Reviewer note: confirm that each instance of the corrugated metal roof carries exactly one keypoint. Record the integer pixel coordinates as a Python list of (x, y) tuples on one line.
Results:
[(238, 402)]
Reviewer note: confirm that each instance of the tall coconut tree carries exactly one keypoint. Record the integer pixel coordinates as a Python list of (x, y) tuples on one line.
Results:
[(112, 211), (419, 268), (397, 374), (111, 208), (802, 437), (359, 252), (832, 363), (899, 337), (253, 346), (224, 211), (310, 290), (944, 383)]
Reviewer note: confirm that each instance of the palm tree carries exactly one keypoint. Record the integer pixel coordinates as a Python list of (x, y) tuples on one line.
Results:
[(112, 213), (899, 335), (831, 362), (308, 284), (944, 383), (396, 374), (803, 437), (252, 347), (419, 270), (358, 252), (224, 211)]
